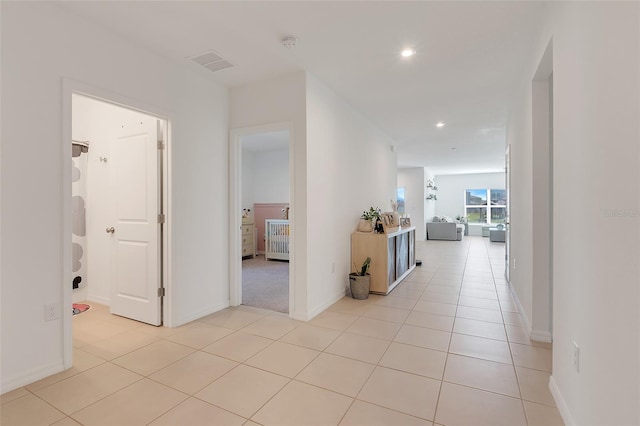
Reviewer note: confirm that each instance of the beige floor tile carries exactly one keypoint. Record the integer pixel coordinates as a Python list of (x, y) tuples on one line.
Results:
[(479, 302), (436, 308), (400, 391), (490, 330), (479, 347), (479, 314), (238, 346), (28, 410), (425, 319), (364, 414), (356, 346), (482, 374), (67, 421), (193, 372), (531, 357), (534, 385), (82, 361), (153, 357), (412, 359), (243, 390), (283, 358), (464, 406), (312, 337), (231, 318), (271, 327), (137, 404), (542, 415), (99, 330), (435, 288), (512, 318), (375, 328), (386, 313), (424, 337), (336, 373), (14, 394), (397, 302), (508, 306), (119, 344), (334, 320), (350, 306), (302, 404), (75, 393), (194, 412), (197, 335), (451, 299), (160, 332), (407, 293)]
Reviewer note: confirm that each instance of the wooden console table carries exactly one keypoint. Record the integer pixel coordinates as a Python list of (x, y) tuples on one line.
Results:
[(393, 256)]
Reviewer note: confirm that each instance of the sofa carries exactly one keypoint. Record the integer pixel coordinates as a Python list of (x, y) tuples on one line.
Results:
[(445, 229)]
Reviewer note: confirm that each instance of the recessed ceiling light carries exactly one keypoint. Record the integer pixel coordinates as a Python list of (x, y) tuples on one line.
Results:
[(440, 124), (453, 149), (408, 52)]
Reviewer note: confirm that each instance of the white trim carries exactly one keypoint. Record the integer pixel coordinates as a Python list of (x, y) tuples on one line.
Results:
[(563, 409), (520, 309), (304, 316), (540, 336), (13, 383), (235, 209)]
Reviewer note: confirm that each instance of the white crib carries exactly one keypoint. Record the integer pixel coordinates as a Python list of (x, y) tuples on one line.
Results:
[(276, 239)]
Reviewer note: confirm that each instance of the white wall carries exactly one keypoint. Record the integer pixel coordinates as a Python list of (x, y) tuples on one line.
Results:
[(247, 180), (277, 101), (414, 181), (451, 190), (596, 203), (350, 167), (271, 176), (41, 45)]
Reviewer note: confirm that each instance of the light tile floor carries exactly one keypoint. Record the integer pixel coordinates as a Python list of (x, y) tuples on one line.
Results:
[(445, 348)]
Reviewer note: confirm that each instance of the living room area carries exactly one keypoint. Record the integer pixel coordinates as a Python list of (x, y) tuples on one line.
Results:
[(456, 204)]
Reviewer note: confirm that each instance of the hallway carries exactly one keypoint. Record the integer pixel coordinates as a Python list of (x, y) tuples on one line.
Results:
[(446, 347)]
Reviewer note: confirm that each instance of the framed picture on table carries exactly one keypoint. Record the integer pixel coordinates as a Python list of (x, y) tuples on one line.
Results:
[(405, 222)]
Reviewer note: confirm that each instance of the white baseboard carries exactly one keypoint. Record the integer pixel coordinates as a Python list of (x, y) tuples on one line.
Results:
[(540, 336), (15, 382), (308, 316), (560, 403), (184, 319), (523, 315)]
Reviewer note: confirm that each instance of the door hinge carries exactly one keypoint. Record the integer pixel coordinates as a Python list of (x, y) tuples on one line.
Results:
[(160, 145), (161, 292), (161, 218)]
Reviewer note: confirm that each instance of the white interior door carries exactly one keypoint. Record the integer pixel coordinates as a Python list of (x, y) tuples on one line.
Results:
[(134, 177)]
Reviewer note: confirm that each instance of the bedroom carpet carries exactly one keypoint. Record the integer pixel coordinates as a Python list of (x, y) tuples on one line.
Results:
[(265, 283)]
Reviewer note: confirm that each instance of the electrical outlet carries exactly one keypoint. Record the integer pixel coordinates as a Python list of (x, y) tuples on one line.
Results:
[(51, 311), (576, 357), (514, 264)]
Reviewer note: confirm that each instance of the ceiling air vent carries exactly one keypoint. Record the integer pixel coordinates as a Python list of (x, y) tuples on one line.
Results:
[(211, 61)]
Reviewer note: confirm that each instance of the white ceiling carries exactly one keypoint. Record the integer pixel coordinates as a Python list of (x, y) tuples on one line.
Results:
[(468, 56)]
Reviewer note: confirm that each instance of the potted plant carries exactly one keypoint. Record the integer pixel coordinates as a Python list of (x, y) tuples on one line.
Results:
[(369, 220), (360, 281)]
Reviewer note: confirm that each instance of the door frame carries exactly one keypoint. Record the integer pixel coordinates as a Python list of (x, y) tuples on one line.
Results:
[(235, 209), (69, 88)]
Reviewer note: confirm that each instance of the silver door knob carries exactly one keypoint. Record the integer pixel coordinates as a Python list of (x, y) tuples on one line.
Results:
[(111, 230)]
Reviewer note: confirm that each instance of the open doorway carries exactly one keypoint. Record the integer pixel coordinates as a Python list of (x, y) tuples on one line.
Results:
[(265, 220), (275, 191), (117, 193)]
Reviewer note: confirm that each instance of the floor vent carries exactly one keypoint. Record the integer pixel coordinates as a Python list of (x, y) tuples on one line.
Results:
[(211, 61)]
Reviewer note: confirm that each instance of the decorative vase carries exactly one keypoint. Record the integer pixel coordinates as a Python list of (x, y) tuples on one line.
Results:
[(359, 285), (365, 226)]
